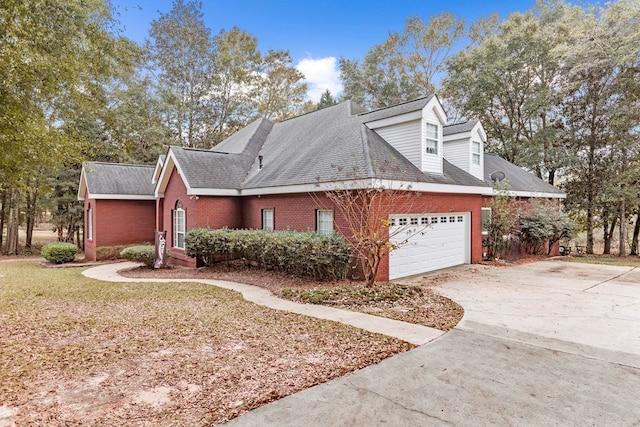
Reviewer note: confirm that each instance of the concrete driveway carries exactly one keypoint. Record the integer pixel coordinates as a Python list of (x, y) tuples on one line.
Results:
[(546, 343)]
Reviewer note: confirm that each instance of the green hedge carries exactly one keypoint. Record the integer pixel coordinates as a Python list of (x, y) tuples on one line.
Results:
[(59, 252), (301, 254), (145, 254)]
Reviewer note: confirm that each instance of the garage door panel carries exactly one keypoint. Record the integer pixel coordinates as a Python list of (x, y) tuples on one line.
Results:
[(445, 242)]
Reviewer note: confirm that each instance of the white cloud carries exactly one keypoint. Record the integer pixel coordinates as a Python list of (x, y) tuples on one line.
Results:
[(321, 74)]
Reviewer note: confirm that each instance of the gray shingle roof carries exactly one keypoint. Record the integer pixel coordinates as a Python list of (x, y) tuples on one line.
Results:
[(221, 168), (459, 127), (517, 178), (332, 144), (405, 107), (119, 179), (237, 142), (322, 146)]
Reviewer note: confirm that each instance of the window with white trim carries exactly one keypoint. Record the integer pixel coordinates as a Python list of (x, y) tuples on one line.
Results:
[(179, 226), (90, 223), (475, 153), (431, 142), (324, 222), (486, 220), (267, 219)]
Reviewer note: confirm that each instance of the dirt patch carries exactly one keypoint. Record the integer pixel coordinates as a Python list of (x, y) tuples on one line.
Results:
[(411, 304)]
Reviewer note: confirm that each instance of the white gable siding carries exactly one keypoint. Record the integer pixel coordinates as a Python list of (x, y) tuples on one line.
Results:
[(430, 162), (404, 137), (477, 170), (458, 153)]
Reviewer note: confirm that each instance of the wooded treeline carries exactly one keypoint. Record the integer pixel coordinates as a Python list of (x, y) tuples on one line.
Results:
[(557, 89)]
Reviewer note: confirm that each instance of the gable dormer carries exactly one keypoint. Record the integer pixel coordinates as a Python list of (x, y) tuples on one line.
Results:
[(464, 147), (414, 129)]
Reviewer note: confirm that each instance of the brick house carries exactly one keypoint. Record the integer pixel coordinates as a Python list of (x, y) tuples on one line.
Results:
[(119, 205), (273, 176)]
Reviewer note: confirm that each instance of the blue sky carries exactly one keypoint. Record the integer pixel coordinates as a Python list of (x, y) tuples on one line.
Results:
[(316, 33)]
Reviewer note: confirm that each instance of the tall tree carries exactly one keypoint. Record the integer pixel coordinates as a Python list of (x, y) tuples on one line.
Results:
[(601, 69), (280, 89), (137, 131), (237, 67), (404, 66), (182, 54), (55, 56), (508, 79), (326, 100)]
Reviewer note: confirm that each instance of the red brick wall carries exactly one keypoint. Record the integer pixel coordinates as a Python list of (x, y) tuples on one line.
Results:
[(290, 211), (435, 203), (297, 212), (200, 211), (119, 222)]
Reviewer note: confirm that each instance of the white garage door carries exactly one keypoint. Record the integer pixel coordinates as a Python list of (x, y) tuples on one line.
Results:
[(428, 242)]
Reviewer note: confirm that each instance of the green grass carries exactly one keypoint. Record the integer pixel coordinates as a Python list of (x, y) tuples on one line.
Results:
[(625, 262)]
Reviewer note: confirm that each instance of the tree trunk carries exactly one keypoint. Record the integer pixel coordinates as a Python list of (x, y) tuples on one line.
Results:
[(623, 222), (636, 234), (32, 201), (552, 176), (13, 223), (589, 248), (3, 202), (608, 232)]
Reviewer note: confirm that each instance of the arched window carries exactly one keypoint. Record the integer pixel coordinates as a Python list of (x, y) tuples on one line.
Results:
[(89, 223), (179, 226)]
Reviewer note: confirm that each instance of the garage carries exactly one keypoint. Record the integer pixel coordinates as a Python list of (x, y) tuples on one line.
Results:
[(428, 242)]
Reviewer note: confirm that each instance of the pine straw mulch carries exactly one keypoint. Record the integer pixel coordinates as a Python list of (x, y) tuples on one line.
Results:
[(413, 304)]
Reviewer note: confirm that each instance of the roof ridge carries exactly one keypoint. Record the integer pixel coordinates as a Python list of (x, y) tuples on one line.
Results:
[(268, 123), (206, 150), (396, 105), (119, 164), (462, 123), (314, 111), (364, 136)]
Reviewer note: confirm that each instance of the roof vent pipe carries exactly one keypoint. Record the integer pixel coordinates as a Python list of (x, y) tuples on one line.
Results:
[(260, 162)]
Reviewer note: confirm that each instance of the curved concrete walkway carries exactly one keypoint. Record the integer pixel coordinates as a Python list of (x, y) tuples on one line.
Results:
[(415, 334)]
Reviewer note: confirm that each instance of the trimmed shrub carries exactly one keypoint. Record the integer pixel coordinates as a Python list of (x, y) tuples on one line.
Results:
[(145, 254), (302, 254), (59, 252), (544, 223), (109, 252)]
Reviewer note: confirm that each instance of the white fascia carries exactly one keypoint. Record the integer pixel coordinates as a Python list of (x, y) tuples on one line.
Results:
[(169, 163), (534, 194), (123, 196), (422, 187), (213, 191), (457, 136), (394, 120)]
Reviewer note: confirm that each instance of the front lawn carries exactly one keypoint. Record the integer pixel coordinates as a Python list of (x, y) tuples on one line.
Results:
[(79, 351)]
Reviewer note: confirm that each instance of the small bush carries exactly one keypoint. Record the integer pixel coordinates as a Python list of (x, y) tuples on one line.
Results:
[(59, 252), (544, 223), (145, 254), (109, 252), (318, 296)]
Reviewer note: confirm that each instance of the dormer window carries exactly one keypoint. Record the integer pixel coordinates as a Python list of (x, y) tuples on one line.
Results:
[(475, 153), (431, 143)]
